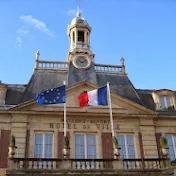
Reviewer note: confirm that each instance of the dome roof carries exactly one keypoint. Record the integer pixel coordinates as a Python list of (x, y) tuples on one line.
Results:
[(79, 20)]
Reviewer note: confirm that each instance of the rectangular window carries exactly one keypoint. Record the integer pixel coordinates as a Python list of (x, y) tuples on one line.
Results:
[(126, 143), (80, 36), (171, 140), (85, 146), (73, 36), (43, 146), (165, 101)]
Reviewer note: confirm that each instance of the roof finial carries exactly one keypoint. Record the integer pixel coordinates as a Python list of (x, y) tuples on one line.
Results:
[(78, 8), (37, 55)]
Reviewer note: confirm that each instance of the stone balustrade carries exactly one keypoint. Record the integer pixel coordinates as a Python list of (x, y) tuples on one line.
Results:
[(108, 68), (64, 66), (51, 65), (77, 166)]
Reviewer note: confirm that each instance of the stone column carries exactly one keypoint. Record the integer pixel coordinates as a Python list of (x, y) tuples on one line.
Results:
[(148, 138), (19, 130), (65, 164), (117, 164)]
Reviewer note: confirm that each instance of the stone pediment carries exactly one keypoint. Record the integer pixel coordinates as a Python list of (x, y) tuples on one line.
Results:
[(120, 105)]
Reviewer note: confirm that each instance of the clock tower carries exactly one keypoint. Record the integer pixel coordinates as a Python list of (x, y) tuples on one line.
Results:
[(80, 54)]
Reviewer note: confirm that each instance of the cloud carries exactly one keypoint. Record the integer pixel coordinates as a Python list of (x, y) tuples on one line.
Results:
[(19, 41), (40, 25), (22, 32)]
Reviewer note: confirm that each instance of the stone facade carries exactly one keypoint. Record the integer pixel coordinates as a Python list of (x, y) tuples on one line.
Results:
[(133, 112)]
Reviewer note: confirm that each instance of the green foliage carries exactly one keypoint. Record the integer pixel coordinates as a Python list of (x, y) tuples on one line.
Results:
[(163, 142), (12, 141), (66, 142), (169, 108), (174, 161)]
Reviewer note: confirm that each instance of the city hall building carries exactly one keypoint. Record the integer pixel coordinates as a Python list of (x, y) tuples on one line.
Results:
[(140, 117)]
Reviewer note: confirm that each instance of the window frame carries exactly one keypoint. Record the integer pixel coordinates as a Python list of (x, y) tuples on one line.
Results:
[(163, 92), (73, 35), (173, 143), (85, 144), (165, 101), (82, 31), (126, 144), (43, 143)]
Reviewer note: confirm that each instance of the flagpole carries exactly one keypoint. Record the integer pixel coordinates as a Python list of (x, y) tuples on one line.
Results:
[(65, 120), (110, 110)]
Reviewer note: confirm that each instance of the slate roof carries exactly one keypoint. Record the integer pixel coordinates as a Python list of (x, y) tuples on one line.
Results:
[(77, 75), (43, 80), (119, 84), (46, 79), (146, 98), (14, 94)]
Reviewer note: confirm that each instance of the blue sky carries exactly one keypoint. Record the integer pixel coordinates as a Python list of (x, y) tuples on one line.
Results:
[(142, 31)]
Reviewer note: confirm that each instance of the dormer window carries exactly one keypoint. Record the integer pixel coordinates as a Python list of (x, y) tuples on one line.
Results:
[(164, 100), (80, 36)]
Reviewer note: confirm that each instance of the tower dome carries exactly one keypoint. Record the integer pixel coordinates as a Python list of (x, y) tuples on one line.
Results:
[(78, 19), (79, 33)]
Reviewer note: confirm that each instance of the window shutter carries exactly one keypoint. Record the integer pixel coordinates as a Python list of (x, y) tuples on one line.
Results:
[(141, 144), (4, 147), (107, 149), (158, 135), (60, 144)]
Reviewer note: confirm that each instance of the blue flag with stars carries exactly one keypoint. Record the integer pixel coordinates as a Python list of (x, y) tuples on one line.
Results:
[(52, 96)]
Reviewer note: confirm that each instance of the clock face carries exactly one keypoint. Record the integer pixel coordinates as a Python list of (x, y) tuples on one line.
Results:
[(81, 62)]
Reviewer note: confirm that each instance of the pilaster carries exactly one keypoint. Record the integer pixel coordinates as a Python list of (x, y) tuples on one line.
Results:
[(19, 130), (147, 128)]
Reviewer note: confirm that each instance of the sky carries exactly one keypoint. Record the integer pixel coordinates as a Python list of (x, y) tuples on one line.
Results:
[(141, 31)]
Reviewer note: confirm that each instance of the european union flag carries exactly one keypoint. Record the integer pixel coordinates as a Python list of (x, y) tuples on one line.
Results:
[(52, 96)]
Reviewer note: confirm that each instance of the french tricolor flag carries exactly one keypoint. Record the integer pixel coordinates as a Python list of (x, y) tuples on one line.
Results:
[(97, 97)]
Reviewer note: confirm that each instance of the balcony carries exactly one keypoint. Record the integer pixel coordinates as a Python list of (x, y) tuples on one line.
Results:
[(43, 166)]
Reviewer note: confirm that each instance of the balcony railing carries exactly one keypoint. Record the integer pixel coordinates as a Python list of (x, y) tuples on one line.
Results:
[(51, 65), (108, 68), (35, 165), (64, 66)]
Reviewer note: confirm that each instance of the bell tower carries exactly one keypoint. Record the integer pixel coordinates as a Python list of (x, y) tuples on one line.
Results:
[(79, 33)]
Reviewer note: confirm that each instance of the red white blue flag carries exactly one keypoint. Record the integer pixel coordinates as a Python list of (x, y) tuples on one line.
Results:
[(97, 97)]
